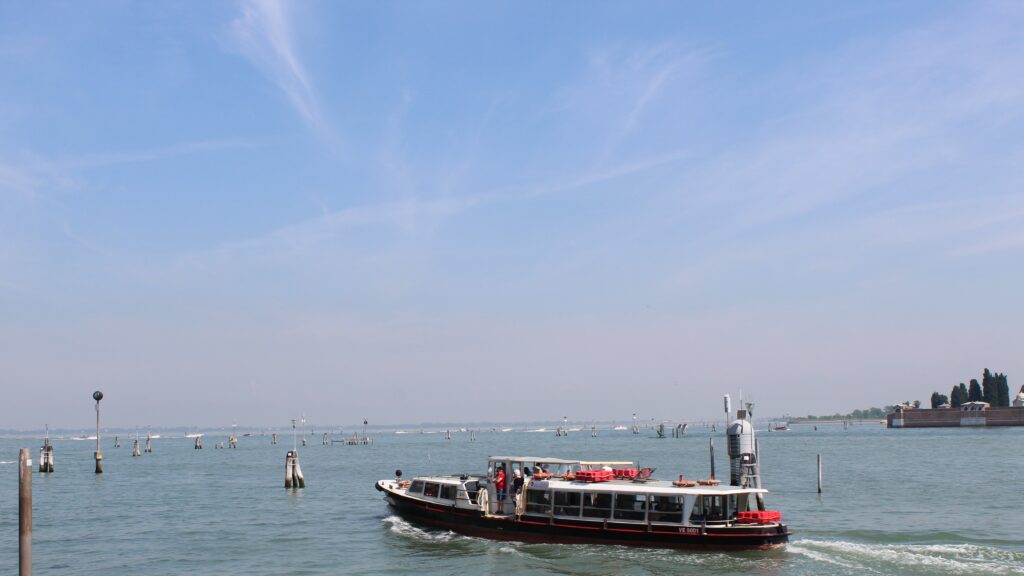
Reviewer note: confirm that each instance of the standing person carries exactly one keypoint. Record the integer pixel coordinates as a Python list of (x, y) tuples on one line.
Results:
[(499, 485), (517, 484)]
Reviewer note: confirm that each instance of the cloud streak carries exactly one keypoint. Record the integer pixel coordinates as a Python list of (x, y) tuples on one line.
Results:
[(263, 34)]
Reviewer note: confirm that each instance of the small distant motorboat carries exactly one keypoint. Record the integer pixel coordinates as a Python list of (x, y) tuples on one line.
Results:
[(780, 427)]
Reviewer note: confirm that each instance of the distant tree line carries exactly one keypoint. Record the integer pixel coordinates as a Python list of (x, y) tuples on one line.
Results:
[(993, 389), (866, 414)]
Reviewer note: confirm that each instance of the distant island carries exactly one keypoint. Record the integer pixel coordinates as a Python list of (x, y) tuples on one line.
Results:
[(987, 403), (866, 414)]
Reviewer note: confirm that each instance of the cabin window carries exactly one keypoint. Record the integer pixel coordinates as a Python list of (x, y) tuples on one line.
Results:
[(538, 501), (666, 509), (697, 515), (431, 489), (472, 488), (448, 492), (630, 506), (713, 508), (597, 505), (567, 503), (416, 487)]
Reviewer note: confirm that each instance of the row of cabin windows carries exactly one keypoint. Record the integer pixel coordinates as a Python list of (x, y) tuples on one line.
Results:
[(635, 507), (433, 489)]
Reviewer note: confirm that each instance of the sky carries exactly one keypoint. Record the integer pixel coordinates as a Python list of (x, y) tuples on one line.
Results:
[(222, 212)]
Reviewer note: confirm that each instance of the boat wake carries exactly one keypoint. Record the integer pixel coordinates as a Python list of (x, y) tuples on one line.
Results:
[(862, 558), (6, 462), (403, 528)]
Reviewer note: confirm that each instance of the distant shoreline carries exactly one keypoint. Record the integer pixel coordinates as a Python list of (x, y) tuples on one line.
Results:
[(837, 420)]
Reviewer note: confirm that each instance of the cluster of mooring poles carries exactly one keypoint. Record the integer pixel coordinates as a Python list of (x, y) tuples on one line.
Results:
[(292, 471), (46, 454)]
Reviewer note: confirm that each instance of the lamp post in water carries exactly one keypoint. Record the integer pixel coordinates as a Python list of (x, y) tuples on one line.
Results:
[(97, 396)]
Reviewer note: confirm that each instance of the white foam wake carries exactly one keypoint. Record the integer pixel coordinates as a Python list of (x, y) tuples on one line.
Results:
[(912, 558), (403, 528)]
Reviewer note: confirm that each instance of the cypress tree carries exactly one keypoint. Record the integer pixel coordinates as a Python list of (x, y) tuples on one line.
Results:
[(988, 389), (974, 392), (963, 393), (1003, 387), (955, 398)]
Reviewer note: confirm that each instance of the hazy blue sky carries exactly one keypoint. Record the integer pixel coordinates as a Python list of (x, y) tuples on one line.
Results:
[(410, 211)]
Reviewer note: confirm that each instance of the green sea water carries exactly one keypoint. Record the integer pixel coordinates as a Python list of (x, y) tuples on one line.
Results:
[(932, 501)]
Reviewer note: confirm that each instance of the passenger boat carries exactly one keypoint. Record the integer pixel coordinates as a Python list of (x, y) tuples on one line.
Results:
[(574, 501)]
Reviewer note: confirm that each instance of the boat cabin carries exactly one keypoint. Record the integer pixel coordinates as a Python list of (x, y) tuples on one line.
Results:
[(458, 491), (551, 490)]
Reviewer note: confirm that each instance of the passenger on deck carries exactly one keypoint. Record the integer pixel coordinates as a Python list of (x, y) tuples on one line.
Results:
[(499, 483), (517, 483)]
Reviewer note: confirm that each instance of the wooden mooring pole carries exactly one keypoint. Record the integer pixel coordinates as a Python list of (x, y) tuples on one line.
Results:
[(292, 471), (711, 455), (819, 473), (24, 513)]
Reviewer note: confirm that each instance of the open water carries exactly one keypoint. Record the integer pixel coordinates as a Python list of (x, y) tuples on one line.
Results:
[(932, 501)]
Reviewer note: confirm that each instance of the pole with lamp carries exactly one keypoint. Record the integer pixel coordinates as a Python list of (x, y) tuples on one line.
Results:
[(97, 396)]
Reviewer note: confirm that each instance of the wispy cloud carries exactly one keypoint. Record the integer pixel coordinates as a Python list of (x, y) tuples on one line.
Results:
[(263, 34), (886, 121), (103, 159)]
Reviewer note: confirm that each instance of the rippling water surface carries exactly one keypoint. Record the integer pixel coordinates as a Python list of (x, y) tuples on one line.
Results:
[(938, 501)]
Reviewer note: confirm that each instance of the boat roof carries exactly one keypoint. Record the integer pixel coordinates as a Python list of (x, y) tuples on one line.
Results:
[(656, 487), (532, 459)]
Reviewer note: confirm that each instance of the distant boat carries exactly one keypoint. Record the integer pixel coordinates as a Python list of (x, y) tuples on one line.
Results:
[(620, 428), (194, 435), (781, 427), (506, 429)]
